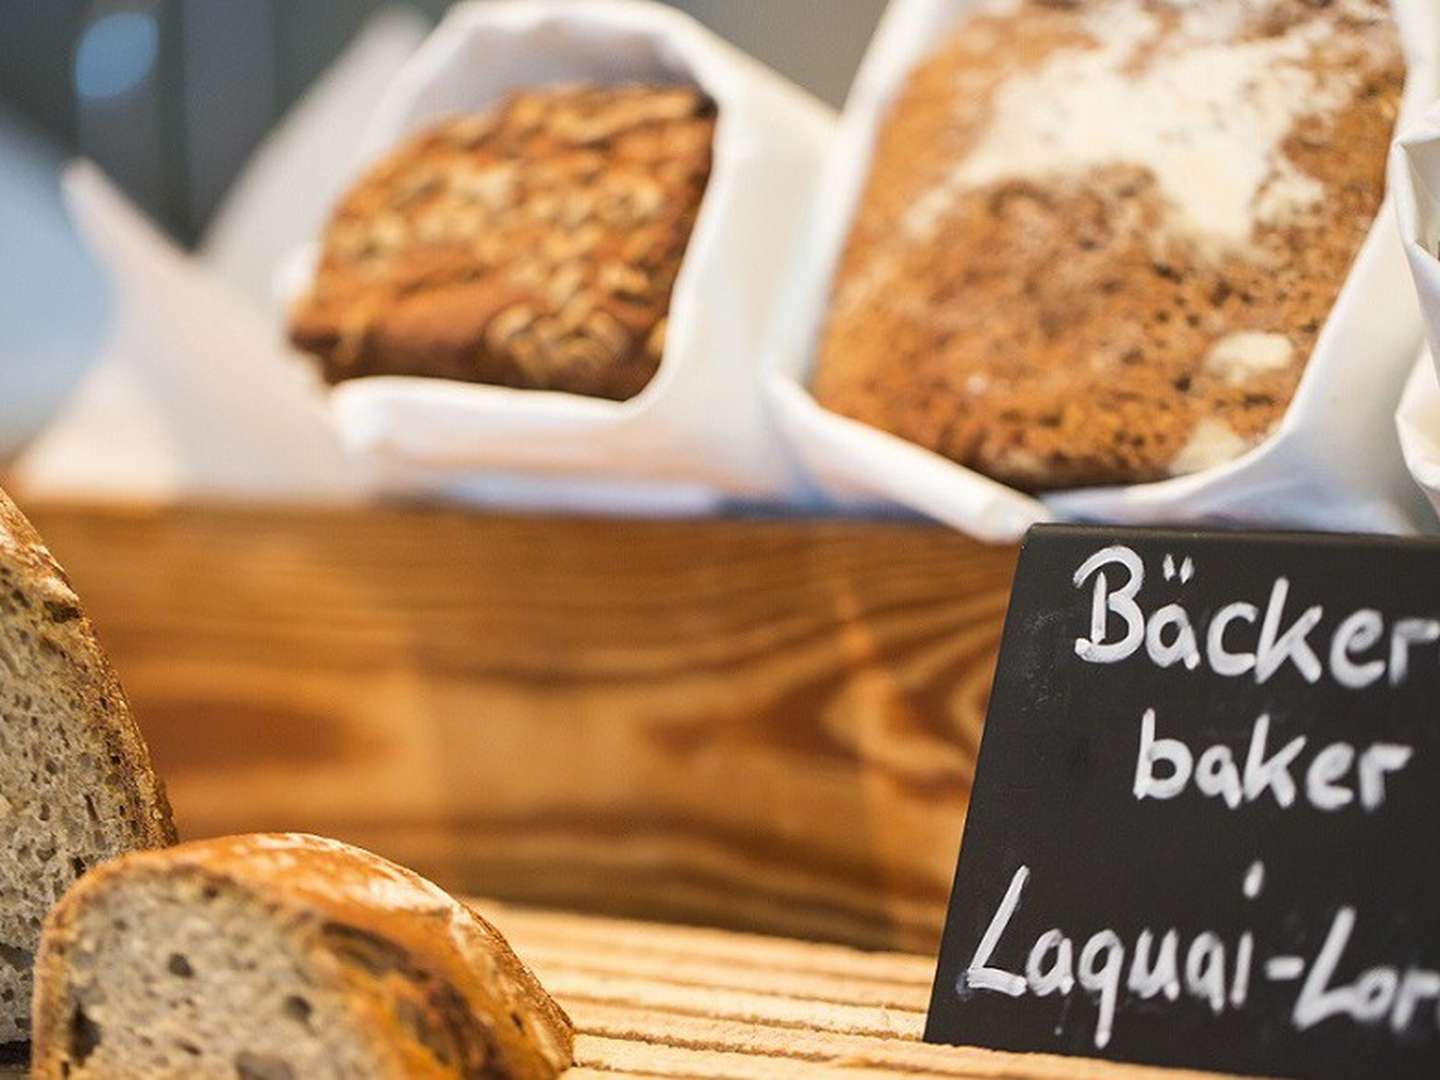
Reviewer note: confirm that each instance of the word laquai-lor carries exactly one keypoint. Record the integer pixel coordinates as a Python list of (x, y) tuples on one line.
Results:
[(1207, 968)]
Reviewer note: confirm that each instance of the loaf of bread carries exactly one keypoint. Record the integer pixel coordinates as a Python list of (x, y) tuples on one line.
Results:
[(76, 786), (281, 957), (1099, 239), (532, 246)]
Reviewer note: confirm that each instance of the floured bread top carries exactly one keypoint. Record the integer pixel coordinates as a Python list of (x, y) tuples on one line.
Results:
[(318, 866), (1100, 236), (318, 872), (1203, 95)]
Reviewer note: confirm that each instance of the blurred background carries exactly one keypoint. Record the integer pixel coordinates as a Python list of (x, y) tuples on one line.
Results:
[(172, 99)]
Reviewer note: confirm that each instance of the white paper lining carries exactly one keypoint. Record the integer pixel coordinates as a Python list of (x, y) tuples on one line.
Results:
[(1415, 168), (1417, 423), (698, 433)]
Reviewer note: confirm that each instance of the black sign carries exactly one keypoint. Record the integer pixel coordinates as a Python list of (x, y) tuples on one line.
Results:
[(1205, 829)]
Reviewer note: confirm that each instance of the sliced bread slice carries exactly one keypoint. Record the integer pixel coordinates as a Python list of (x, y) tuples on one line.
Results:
[(76, 786), (281, 956)]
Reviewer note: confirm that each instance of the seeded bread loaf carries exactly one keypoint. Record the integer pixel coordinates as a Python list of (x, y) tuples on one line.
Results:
[(76, 786), (277, 957), (1099, 239), (533, 246)]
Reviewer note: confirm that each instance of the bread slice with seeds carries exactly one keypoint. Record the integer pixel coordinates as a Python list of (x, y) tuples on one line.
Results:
[(280, 956), (76, 786)]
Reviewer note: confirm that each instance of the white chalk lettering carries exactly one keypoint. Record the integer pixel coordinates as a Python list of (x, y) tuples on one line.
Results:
[(1409, 632), (1379, 994), (1059, 976), (1244, 956), (1239, 640), (1277, 647), (1278, 635), (1164, 977), (1172, 752), (1182, 647), (1101, 962), (1270, 773), (1221, 659), (1355, 634), (1216, 774), (1205, 971), (1316, 1001), (1165, 767), (1378, 760), (1415, 987), (979, 975), (1329, 766), (1122, 602)]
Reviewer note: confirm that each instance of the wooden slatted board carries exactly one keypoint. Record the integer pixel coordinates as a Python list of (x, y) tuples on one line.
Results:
[(666, 1001), (660, 1001)]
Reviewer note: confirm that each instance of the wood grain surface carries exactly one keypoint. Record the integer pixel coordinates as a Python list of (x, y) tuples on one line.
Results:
[(757, 724), (659, 1001)]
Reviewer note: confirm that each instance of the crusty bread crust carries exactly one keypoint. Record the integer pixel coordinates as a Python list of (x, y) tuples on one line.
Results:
[(76, 784), (34, 571), (387, 926)]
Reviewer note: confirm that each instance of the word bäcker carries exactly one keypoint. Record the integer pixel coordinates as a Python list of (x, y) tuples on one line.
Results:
[(1232, 645)]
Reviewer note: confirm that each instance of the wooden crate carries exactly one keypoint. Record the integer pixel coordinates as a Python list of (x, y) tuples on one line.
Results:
[(756, 724)]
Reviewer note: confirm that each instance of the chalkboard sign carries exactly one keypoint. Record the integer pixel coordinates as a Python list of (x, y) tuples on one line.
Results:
[(1205, 828)]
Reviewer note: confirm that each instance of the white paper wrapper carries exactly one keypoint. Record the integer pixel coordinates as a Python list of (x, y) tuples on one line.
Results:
[(1415, 172), (1332, 462), (1416, 176), (699, 431), (1417, 422)]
